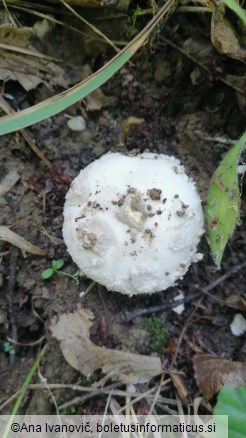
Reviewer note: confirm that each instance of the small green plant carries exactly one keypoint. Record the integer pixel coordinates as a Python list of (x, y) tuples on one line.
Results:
[(157, 329), (55, 267), (71, 410), (133, 30), (8, 348)]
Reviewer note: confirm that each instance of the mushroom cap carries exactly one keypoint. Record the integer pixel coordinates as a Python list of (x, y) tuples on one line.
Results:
[(133, 222)]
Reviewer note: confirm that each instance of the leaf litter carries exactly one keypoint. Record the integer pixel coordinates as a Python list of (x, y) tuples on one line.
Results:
[(73, 332), (211, 372)]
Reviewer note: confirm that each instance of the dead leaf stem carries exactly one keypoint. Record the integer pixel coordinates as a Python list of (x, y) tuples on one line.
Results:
[(10, 297)]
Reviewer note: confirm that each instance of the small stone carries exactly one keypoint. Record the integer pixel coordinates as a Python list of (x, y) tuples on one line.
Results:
[(77, 123), (238, 325)]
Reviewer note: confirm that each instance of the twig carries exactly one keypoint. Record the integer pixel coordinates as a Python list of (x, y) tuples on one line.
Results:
[(6, 107), (91, 26), (138, 396), (31, 344), (188, 322), (128, 316), (215, 139), (205, 291), (10, 297), (170, 43), (224, 277)]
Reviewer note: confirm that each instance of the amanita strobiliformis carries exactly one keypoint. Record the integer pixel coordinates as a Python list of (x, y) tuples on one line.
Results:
[(133, 222)]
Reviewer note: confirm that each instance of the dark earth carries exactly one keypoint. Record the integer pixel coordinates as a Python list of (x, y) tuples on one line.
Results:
[(171, 98)]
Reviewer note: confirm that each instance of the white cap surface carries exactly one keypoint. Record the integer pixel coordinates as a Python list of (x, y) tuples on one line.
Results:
[(132, 222)]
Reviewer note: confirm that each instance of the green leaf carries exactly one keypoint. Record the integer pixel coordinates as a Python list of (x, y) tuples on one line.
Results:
[(77, 273), (57, 264), (232, 402), (223, 208), (47, 273)]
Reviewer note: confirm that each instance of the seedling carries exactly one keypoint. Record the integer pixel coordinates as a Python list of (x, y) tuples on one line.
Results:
[(137, 12), (71, 410), (8, 348), (55, 267)]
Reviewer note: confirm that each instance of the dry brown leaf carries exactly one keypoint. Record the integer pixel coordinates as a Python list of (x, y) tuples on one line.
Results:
[(211, 372), (96, 100), (223, 35), (73, 332), (19, 61), (236, 301), (9, 236), (15, 36), (9, 71)]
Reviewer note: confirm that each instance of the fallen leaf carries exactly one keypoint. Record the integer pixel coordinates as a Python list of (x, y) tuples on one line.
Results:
[(211, 372), (236, 301), (21, 62), (9, 236), (73, 332), (223, 35)]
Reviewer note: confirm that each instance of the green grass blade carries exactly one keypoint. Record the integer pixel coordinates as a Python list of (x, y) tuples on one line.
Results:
[(223, 208), (58, 103), (234, 6), (22, 393)]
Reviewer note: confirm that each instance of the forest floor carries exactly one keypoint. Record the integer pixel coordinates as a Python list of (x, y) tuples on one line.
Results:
[(183, 107)]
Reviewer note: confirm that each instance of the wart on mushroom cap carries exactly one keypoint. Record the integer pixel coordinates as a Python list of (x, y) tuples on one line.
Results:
[(132, 223)]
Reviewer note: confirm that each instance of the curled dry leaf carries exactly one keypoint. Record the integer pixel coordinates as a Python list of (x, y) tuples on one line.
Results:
[(20, 61), (236, 301), (73, 332), (9, 236), (211, 372), (223, 35)]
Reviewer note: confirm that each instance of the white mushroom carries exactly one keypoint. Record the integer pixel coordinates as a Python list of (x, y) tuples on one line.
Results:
[(133, 222)]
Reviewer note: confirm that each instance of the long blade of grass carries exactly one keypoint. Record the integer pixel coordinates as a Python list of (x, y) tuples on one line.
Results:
[(234, 6), (58, 103), (24, 388)]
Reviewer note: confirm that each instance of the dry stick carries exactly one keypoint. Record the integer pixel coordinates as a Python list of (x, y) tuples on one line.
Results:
[(170, 43), (205, 291), (9, 110), (83, 398), (148, 393), (188, 322), (128, 316), (31, 344), (91, 390), (93, 28), (10, 297)]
